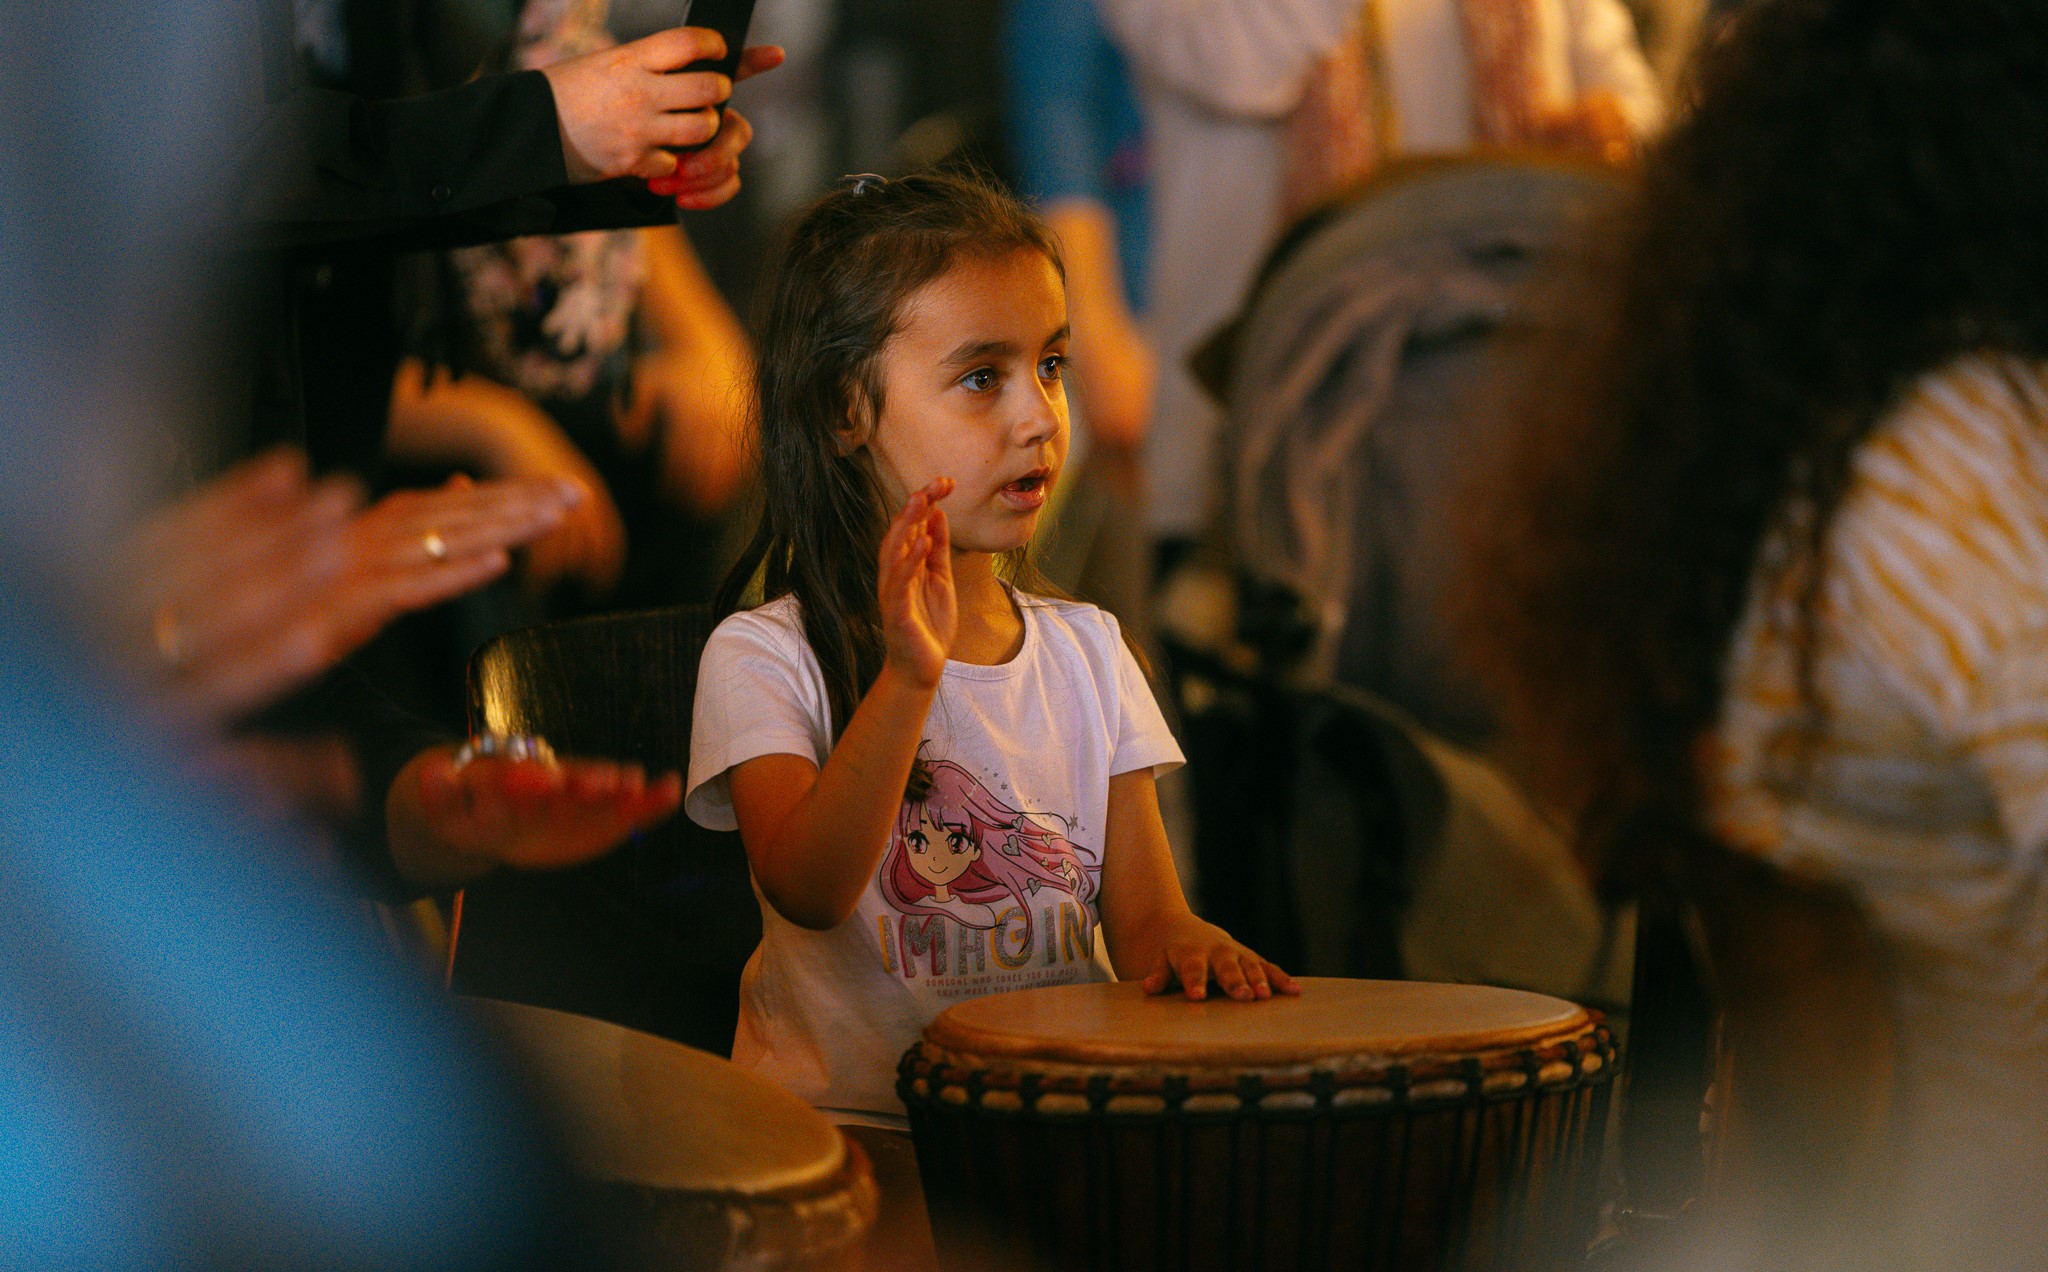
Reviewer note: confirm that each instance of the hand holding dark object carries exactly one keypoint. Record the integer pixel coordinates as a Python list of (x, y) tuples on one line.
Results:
[(450, 823), (624, 110), (709, 177)]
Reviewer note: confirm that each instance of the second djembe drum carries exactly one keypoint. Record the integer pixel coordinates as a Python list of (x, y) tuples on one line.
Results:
[(1365, 1124), (689, 1161)]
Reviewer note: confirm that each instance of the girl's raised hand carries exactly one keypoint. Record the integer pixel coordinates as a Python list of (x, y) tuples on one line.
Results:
[(1195, 951), (915, 584)]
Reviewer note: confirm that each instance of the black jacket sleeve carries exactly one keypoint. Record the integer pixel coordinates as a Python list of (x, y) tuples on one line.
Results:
[(478, 163)]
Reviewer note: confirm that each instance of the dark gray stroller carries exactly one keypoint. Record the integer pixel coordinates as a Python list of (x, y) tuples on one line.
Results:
[(1346, 810)]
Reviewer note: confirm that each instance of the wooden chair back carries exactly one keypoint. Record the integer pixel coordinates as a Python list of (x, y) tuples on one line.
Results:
[(653, 936)]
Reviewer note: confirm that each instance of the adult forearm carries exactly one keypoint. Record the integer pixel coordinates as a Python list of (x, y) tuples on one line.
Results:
[(820, 859)]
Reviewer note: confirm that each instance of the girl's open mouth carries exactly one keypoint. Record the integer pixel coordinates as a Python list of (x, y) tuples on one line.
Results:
[(1027, 492)]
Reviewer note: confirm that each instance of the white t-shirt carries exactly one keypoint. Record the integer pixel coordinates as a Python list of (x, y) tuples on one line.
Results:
[(989, 886)]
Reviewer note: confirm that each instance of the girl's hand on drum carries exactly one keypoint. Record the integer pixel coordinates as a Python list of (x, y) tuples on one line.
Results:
[(1196, 952), (915, 587)]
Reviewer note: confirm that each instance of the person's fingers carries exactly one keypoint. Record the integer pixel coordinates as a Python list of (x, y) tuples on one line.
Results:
[(250, 674), (1160, 976), (1192, 966), (425, 587), (723, 154), (260, 491), (1230, 974), (701, 174), (705, 200), (758, 58), (468, 517), (607, 783), (275, 477), (663, 796), (698, 173), (265, 574), (898, 573), (369, 595), (1255, 975), (489, 814), (530, 787), (939, 555), (260, 629), (593, 780), (258, 545), (1280, 980), (902, 525), (695, 92), (673, 48), (654, 164), (683, 128), (440, 790)]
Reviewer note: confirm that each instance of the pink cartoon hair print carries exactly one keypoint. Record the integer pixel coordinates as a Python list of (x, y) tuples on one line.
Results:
[(962, 843)]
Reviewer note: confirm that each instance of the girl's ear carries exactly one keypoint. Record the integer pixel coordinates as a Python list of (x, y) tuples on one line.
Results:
[(859, 425)]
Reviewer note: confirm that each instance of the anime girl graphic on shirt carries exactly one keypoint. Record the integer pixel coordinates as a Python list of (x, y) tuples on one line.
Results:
[(963, 852)]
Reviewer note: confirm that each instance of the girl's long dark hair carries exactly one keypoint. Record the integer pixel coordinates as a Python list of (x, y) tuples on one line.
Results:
[(1858, 196), (849, 265)]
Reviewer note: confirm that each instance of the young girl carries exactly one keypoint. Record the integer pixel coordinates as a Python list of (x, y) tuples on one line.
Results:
[(877, 728)]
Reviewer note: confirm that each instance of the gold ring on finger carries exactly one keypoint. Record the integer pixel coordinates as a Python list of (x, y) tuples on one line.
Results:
[(436, 546)]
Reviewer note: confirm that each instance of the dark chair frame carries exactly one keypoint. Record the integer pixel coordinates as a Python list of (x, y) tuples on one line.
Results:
[(655, 935)]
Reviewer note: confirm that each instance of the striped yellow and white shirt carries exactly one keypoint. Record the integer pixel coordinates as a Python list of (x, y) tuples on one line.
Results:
[(1921, 779)]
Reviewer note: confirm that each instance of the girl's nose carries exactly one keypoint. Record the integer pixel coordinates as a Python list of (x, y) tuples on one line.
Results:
[(1044, 415)]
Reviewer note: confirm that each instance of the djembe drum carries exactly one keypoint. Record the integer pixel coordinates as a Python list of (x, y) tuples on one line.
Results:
[(690, 1161), (1365, 1124)]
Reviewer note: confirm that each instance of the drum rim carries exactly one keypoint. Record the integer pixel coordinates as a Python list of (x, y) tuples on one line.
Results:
[(810, 1221), (930, 1079), (994, 1048), (508, 1020)]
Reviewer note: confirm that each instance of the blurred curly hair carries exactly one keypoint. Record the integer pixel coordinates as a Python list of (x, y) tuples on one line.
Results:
[(1857, 196)]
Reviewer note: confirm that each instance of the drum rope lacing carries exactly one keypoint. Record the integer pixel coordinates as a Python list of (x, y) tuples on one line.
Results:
[(930, 1075)]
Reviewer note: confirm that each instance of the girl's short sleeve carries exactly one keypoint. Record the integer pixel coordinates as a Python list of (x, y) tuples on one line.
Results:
[(1142, 739), (759, 692)]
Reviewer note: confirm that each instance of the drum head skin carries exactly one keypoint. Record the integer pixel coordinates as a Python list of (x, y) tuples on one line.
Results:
[(1118, 1025), (644, 1111)]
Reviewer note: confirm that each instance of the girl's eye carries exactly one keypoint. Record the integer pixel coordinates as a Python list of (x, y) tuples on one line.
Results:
[(917, 841), (980, 379), (1054, 367), (957, 842)]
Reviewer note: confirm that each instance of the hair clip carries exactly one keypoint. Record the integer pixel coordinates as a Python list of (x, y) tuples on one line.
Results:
[(858, 182)]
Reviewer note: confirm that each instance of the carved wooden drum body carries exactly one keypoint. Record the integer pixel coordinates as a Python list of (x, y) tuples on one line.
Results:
[(1366, 1124), (691, 1161)]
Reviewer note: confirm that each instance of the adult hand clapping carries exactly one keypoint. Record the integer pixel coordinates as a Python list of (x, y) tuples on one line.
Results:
[(263, 579)]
